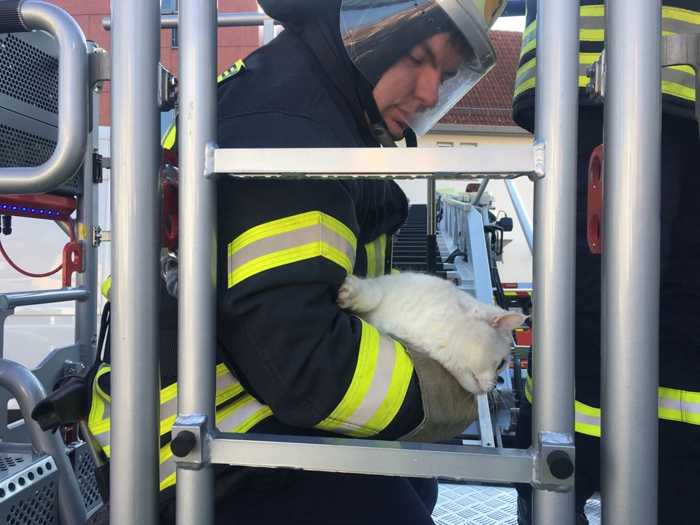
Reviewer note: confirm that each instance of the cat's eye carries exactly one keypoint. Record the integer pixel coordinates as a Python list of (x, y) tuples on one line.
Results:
[(501, 364)]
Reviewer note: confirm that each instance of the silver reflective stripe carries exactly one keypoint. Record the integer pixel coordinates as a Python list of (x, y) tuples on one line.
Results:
[(242, 415), (288, 240), (592, 22), (672, 25), (683, 78), (587, 420), (680, 405)]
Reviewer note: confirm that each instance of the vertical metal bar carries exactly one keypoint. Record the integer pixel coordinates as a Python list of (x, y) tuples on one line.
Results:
[(268, 31), (431, 241), (520, 211), (480, 193), (556, 129), (197, 281), (86, 311), (135, 242), (631, 262)]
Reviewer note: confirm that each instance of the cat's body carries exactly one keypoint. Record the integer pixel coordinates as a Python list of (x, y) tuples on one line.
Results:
[(471, 340)]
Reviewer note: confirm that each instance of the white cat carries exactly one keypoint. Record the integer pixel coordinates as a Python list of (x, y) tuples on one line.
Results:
[(470, 339)]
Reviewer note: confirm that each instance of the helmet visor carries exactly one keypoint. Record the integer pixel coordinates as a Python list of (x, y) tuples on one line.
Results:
[(421, 56)]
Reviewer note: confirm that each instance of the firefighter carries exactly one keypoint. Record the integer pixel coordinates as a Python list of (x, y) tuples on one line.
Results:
[(679, 395), (351, 73)]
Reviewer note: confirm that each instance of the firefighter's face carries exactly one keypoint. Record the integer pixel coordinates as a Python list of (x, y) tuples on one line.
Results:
[(413, 83)]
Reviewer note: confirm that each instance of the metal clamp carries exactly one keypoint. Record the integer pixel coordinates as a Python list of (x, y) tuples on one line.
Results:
[(99, 236), (100, 67), (554, 462), (167, 89), (190, 444), (683, 50), (596, 73)]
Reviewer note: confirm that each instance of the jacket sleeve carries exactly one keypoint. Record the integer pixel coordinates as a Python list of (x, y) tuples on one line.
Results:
[(284, 249)]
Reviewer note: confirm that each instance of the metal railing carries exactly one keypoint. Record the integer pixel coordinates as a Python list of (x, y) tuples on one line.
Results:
[(73, 89)]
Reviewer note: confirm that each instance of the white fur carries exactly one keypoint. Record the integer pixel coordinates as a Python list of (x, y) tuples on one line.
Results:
[(431, 315)]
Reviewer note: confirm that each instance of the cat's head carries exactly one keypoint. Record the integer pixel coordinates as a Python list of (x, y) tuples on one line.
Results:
[(481, 347)]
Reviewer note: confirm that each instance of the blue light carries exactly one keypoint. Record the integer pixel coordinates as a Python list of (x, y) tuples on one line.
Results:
[(14, 208), (4, 206)]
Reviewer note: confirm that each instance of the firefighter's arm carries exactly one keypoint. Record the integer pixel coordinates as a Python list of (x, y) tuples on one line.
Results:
[(315, 365)]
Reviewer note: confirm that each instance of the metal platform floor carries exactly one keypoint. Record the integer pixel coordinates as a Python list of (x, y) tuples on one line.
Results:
[(479, 505)]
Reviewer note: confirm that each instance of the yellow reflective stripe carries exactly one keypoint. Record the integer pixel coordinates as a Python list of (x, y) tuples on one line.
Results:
[(532, 44), (400, 381), (587, 419), (371, 260), (674, 405), (288, 224), (529, 389), (592, 10), (242, 415), (529, 29), (376, 256), (168, 482), (678, 90), (377, 390), (289, 240), (527, 66), (233, 70), (98, 418), (679, 405), (106, 287), (591, 35), (528, 84), (361, 380), (683, 15), (289, 256), (170, 137)]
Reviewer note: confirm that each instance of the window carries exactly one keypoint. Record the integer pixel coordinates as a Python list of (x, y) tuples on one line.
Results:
[(468, 144), (170, 7), (445, 144)]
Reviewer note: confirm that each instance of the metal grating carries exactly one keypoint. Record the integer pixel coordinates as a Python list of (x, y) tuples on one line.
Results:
[(38, 508), (28, 487), (85, 472), (21, 149), (9, 462), (481, 505), (28, 74)]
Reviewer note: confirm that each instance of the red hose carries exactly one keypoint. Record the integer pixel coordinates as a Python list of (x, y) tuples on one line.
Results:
[(28, 273), (25, 272)]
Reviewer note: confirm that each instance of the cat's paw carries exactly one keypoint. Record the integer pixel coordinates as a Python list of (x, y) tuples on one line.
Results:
[(349, 292)]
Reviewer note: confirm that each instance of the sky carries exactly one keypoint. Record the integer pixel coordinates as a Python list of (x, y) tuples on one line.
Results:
[(511, 23)]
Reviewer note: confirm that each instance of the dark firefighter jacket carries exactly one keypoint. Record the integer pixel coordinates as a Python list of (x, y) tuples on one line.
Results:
[(678, 82), (679, 398)]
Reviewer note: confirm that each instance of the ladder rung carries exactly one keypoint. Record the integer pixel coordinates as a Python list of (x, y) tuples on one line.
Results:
[(488, 161)]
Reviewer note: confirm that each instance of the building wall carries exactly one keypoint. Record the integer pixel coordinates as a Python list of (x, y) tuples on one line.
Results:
[(234, 43)]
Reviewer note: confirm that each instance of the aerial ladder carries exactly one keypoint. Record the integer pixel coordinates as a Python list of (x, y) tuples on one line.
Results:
[(65, 479)]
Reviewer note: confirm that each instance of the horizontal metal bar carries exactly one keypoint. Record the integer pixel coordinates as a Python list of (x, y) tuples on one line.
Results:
[(484, 161), (384, 458), (13, 300), (223, 20)]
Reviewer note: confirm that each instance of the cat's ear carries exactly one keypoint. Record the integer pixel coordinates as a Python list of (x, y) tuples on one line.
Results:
[(507, 321)]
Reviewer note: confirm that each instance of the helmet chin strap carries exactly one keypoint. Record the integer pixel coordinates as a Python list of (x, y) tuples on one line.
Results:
[(376, 121)]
